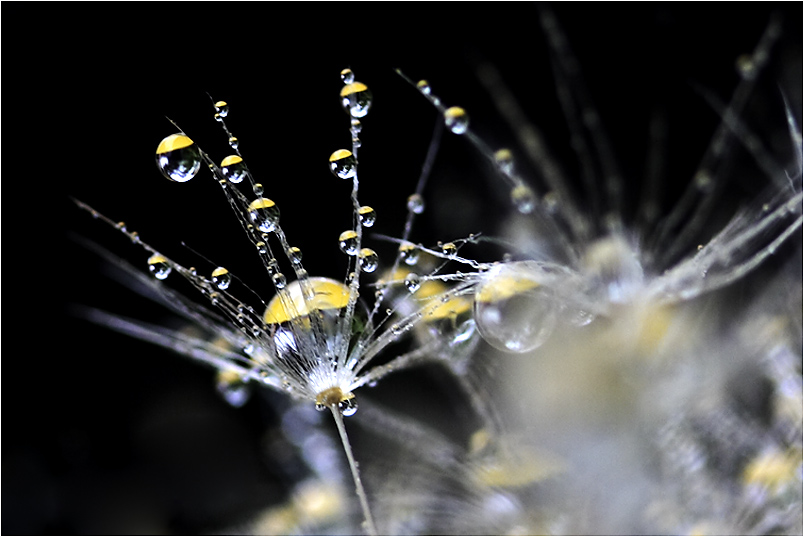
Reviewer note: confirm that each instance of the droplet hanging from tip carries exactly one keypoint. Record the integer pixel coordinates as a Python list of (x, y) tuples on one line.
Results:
[(178, 158)]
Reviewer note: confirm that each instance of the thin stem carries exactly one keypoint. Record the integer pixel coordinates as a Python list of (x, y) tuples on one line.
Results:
[(361, 492)]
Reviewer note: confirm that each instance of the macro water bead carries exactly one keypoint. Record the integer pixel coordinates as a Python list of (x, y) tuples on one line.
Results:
[(178, 158), (264, 214), (356, 99), (343, 164), (514, 310), (234, 169)]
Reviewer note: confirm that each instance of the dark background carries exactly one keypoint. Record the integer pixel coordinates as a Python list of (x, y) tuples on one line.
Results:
[(103, 434)]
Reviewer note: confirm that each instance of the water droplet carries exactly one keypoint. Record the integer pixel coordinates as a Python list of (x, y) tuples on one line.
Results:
[(348, 407), (356, 99), (456, 119), (416, 204), (258, 189), (514, 310), (222, 108), (423, 86), (505, 160), (550, 202), (233, 142), (261, 247), (159, 267), (320, 407), (347, 76), (213, 298), (294, 255), (232, 388), (413, 282), (523, 198), (178, 158), (368, 260), (367, 216), (449, 248), (221, 278), (279, 280), (356, 127), (348, 242), (264, 214), (234, 169), (409, 254), (343, 164)]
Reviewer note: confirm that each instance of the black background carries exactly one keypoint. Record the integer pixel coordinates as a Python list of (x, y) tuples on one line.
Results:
[(102, 434)]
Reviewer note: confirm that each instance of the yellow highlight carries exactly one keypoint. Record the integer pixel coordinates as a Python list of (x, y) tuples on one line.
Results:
[(332, 396), (444, 310), (772, 470), (327, 294), (355, 87), (173, 142), (340, 154), (231, 159), (261, 203), (503, 287), (454, 112)]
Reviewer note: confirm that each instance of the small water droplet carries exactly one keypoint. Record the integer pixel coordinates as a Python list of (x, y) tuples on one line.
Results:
[(264, 214), (409, 254), (159, 267), (262, 248), (343, 164), (449, 248), (320, 407), (367, 216), (234, 169), (505, 160), (368, 260), (348, 407), (221, 278), (233, 142), (294, 255), (213, 298), (413, 282), (456, 119), (523, 198), (356, 99), (746, 67), (416, 204), (423, 86), (347, 76), (279, 280), (222, 108), (178, 158), (348, 242), (356, 127)]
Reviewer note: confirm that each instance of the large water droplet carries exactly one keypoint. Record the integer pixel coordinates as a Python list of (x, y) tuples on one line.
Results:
[(367, 216), (178, 158), (514, 310), (456, 119), (264, 214), (348, 242), (233, 168), (423, 86), (356, 99), (343, 164), (368, 260), (221, 278), (159, 267)]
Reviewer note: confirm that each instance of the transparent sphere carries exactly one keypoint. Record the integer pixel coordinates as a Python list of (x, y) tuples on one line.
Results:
[(356, 99), (514, 309), (178, 158)]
